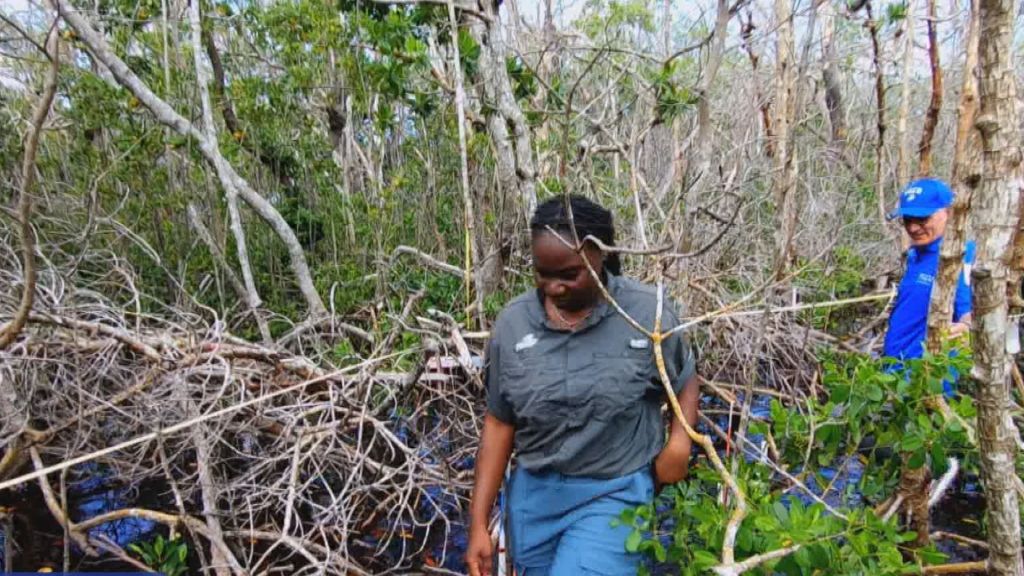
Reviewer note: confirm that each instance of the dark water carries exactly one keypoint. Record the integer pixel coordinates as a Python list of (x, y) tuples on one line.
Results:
[(92, 491)]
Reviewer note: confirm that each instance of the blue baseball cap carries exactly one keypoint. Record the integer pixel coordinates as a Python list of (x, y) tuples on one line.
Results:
[(923, 197)]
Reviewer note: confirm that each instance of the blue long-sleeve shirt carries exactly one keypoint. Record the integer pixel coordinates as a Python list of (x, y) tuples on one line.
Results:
[(908, 324)]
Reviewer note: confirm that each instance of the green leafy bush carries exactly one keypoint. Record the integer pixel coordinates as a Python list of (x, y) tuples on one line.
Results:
[(867, 399), (169, 557)]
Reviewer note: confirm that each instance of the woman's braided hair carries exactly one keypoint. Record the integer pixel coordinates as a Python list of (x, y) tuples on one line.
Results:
[(589, 218)]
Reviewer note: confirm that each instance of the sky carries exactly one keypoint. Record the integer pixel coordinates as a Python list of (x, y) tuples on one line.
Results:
[(10, 6), (565, 12)]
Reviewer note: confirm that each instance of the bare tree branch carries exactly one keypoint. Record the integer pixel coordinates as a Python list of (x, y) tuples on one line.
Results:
[(229, 178), (9, 331)]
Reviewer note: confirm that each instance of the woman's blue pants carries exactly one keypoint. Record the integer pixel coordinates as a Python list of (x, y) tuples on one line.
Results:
[(562, 525)]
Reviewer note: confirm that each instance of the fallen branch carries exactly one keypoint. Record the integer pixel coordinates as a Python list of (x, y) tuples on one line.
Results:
[(754, 561), (427, 259), (951, 536), (72, 462), (961, 568), (121, 335), (56, 510)]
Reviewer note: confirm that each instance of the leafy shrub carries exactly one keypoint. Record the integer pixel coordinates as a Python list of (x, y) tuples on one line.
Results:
[(169, 557), (868, 399)]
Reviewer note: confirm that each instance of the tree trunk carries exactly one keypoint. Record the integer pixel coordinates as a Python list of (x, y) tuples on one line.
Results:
[(902, 142), (830, 76), (510, 134), (505, 119), (880, 123), (784, 166), (746, 33), (472, 253), (703, 167), (209, 128), (931, 119), (996, 205), (964, 179)]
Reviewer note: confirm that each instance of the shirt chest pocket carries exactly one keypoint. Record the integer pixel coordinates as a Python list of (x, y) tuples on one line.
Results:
[(635, 363), (535, 387), (615, 383)]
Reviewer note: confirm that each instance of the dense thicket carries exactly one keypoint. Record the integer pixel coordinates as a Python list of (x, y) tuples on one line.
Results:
[(270, 221)]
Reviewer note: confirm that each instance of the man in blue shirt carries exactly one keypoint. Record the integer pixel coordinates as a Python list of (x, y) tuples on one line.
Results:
[(923, 210)]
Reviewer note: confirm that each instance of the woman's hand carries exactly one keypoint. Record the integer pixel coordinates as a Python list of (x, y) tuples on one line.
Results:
[(673, 462), (491, 460), (480, 552)]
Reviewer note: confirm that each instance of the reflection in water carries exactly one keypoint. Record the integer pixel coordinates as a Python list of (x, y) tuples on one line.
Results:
[(95, 492)]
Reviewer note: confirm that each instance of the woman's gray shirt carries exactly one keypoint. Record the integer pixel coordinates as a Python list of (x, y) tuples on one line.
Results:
[(584, 403)]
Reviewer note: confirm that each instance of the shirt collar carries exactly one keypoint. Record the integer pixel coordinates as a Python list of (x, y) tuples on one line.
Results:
[(917, 252)]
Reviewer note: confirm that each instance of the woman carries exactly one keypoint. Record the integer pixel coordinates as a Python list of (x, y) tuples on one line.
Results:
[(575, 389)]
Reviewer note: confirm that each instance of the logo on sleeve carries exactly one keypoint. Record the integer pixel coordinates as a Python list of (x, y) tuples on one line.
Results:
[(528, 341)]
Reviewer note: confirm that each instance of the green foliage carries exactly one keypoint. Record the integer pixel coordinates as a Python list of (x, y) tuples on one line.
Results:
[(672, 98), (867, 398), (895, 12), (840, 276), (616, 15), (524, 82), (861, 544), (890, 406), (469, 52), (169, 557)]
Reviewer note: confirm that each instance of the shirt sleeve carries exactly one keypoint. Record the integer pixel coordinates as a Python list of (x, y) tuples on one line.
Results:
[(497, 404), (680, 358), (962, 301)]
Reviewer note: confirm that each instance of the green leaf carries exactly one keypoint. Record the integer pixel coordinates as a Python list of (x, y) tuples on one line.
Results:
[(818, 555), (659, 551), (703, 559), (840, 394), (874, 393), (781, 512), (633, 541), (917, 459), (930, 555), (938, 454), (765, 523), (628, 516), (911, 442)]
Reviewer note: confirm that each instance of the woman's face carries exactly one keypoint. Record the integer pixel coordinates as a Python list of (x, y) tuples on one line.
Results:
[(560, 272)]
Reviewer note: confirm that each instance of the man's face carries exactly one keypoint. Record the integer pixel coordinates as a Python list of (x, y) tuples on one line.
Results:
[(925, 229)]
